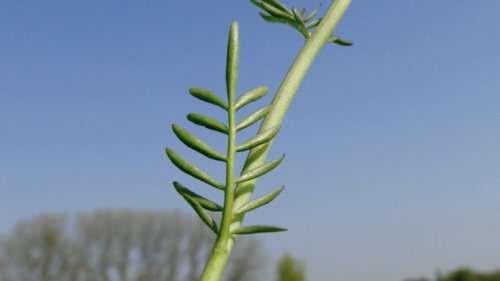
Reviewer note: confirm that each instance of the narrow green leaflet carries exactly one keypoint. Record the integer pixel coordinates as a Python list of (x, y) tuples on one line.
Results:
[(272, 19), (257, 229), (312, 14), (257, 3), (314, 23), (259, 139), (259, 171), (302, 25), (192, 170), (277, 5), (261, 201), (273, 11), (337, 40), (204, 216), (302, 12), (250, 96), (207, 122), (233, 50), (196, 144), (252, 118), (204, 202), (208, 96)]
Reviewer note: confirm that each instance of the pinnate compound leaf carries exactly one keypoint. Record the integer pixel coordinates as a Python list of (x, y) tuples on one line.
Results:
[(205, 203), (259, 139), (208, 96), (250, 96), (258, 202), (203, 214), (196, 144), (257, 229), (208, 122), (192, 170), (259, 171), (252, 118), (337, 40)]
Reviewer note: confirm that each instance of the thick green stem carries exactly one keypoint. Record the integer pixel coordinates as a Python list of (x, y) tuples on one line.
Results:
[(234, 199), (285, 94)]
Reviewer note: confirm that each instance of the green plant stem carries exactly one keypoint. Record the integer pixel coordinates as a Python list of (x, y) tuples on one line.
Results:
[(285, 94), (220, 253)]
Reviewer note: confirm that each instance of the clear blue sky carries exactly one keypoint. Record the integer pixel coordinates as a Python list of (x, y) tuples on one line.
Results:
[(393, 145)]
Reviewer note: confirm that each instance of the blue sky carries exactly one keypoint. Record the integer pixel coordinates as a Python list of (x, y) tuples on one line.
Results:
[(393, 145)]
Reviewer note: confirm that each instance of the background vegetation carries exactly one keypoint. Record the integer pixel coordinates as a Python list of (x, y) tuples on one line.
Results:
[(133, 245), (464, 274), (119, 246), (291, 269)]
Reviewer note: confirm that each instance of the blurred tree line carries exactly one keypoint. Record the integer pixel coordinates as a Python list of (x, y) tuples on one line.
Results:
[(117, 246), (110, 245), (464, 274)]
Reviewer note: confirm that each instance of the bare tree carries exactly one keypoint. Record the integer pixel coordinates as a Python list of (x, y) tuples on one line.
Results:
[(116, 246), (37, 251)]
